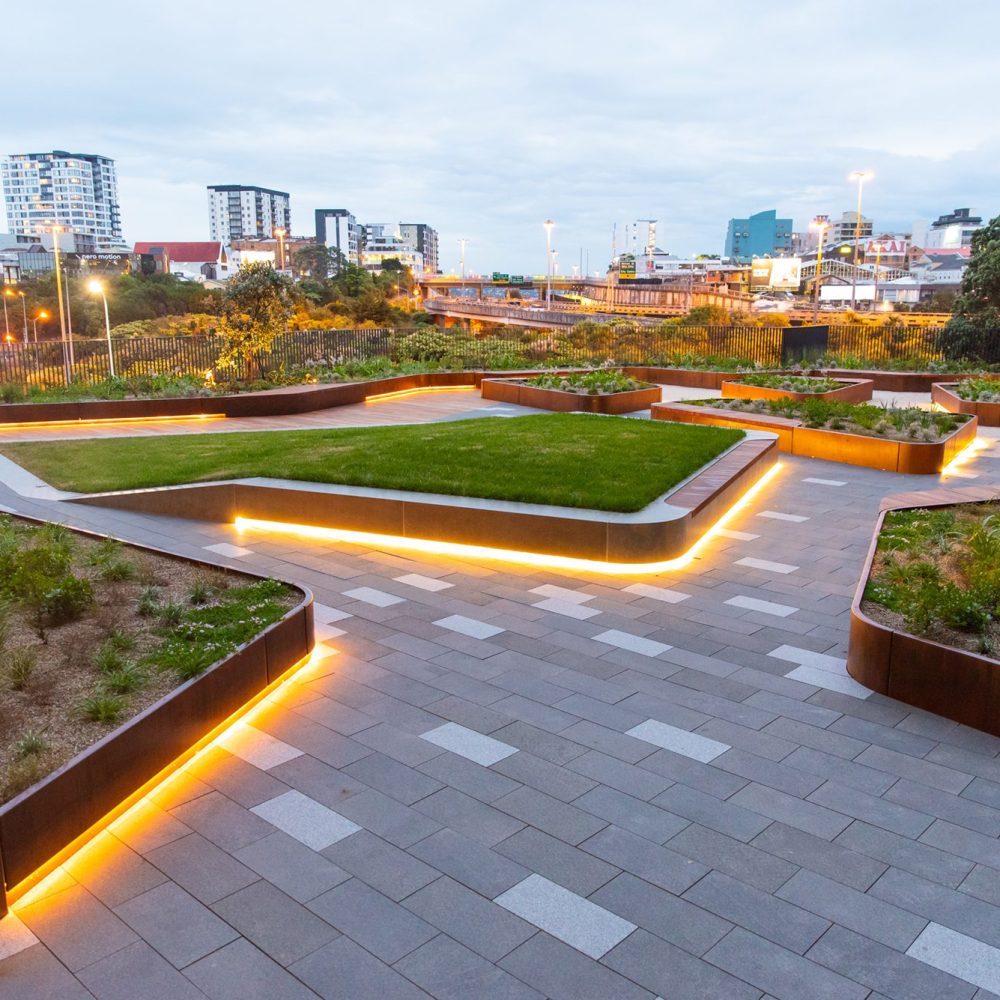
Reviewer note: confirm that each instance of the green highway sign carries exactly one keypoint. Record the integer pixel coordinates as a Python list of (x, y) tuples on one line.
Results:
[(517, 279), (500, 276)]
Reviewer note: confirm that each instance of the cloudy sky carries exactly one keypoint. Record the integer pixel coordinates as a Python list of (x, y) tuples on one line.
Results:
[(485, 119)]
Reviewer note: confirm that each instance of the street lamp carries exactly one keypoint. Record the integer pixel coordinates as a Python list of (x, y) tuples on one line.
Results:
[(461, 246), (860, 176), (821, 226), (40, 315), (96, 288), (67, 358), (24, 312), (548, 224), (7, 293), (281, 234)]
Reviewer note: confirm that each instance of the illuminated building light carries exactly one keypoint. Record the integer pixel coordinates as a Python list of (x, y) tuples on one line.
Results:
[(400, 393), (89, 848), (540, 560), (102, 421)]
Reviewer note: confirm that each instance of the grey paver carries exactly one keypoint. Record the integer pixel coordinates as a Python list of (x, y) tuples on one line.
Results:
[(559, 782), (743, 861), (469, 862), (609, 770), (291, 866), (115, 978), (306, 820), (468, 816), (802, 814), (380, 864), (724, 817), (393, 778), (567, 822), (576, 870), (343, 970), (38, 975), (959, 955), (654, 864), (633, 814), (473, 779), (678, 740), (239, 971)]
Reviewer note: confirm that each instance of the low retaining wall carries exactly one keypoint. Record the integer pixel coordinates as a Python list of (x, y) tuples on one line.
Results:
[(959, 685), (944, 395), (914, 457), (515, 391), (893, 381), (663, 530), (855, 390), (46, 818)]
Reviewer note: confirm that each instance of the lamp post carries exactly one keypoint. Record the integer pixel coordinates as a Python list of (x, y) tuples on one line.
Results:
[(860, 176), (96, 288), (280, 233), (7, 293), (40, 315), (67, 363), (24, 311), (461, 247), (821, 226), (548, 224)]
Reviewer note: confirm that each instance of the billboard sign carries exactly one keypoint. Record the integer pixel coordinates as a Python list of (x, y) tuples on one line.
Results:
[(776, 273), (626, 266), (887, 248)]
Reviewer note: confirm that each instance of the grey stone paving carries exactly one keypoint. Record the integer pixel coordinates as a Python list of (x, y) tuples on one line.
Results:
[(509, 783)]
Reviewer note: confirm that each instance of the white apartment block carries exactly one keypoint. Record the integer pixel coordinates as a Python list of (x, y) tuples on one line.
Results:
[(383, 241), (424, 239), (338, 229), (240, 212), (76, 191)]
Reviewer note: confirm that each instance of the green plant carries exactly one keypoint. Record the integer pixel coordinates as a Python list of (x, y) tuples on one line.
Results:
[(149, 602), (200, 591), (103, 706), (121, 640), (128, 677), (108, 659), (603, 380), (68, 599), (118, 570), (793, 383), (21, 663), (31, 744), (171, 613)]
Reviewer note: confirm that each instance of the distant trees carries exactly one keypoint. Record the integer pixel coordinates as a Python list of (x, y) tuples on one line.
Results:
[(974, 329)]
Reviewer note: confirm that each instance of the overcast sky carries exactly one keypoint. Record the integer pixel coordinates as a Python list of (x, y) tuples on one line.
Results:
[(484, 119)]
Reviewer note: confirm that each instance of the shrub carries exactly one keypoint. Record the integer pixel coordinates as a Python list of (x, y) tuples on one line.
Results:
[(30, 744), (102, 707), (68, 599), (21, 663), (149, 603), (128, 677)]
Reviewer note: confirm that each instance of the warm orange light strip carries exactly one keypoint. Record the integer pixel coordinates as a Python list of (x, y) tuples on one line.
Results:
[(111, 420), (33, 887), (429, 546), (399, 393), (966, 455)]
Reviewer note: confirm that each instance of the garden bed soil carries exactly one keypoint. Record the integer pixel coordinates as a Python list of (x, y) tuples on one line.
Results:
[(518, 392), (944, 394), (888, 453), (942, 671), (854, 390)]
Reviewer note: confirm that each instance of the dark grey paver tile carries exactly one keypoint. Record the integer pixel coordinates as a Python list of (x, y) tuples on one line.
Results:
[(616, 773), (799, 813), (743, 861), (826, 765), (468, 713), (790, 926), (335, 715), (877, 811), (657, 865), (76, 927), (792, 708), (483, 783), (222, 821), (374, 921), (892, 974), (533, 713), (667, 916), (981, 790), (469, 816), (241, 972), (291, 866), (884, 736), (401, 746), (925, 772), (609, 741), (342, 970), (450, 971), (558, 781), (562, 973), (36, 974), (180, 928), (117, 976), (478, 923), (910, 855), (111, 871), (780, 971), (673, 972), (633, 814), (540, 742), (578, 871), (762, 743), (963, 842), (559, 819), (947, 806), (858, 911), (704, 777), (984, 883), (391, 820), (469, 862), (395, 779), (786, 779), (380, 864), (723, 817)]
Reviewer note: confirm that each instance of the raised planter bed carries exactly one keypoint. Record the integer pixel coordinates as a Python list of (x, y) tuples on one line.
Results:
[(45, 819), (944, 394), (688, 378), (852, 390), (895, 381), (955, 683), (912, 457), (515, 391), (662, 530)]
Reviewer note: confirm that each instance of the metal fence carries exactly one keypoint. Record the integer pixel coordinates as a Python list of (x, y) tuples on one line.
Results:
[(885, 343)]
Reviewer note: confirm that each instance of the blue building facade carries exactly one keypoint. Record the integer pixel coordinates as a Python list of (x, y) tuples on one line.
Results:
[(761, 235)]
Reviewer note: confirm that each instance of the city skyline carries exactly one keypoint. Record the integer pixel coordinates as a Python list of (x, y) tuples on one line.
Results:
[(551, 119)]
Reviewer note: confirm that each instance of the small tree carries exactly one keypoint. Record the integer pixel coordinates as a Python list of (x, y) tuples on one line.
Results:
[(979, 300), (255, 310), (706, 316)]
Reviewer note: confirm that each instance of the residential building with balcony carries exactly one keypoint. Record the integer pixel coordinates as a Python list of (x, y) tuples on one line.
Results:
[(239, 212), (951, 231), (338, 229), (425, 240), (383, 241)]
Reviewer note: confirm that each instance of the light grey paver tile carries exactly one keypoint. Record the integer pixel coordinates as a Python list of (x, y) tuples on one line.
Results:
[(667, 916), (116, 977), (226, 549), (378, 598), (766, 607), (342, 970), (478, 923), (633, 643), (767, 565), (306, 820), (374, 921), (469, 862), (829, 680), (180, 928), (664, 594), (855, 910), (563, 914), (891, 973), (242, 972), (450, 971), (468, 743), (959, 955), (738, 536), (562, 594), (384, 867), (673, 972), (808, 658), (780, 971), (560, 972), (428, 583), (257, 747), (325, 614), (291, 866), (576, 870), (824, 482), (469, 627), (570, 609), (678, 740)]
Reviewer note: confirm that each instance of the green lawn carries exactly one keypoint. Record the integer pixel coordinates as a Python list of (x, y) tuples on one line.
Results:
[(566, 459)]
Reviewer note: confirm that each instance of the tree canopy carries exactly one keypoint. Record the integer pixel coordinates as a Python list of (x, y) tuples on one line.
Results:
[(979, 300), (255, 308)]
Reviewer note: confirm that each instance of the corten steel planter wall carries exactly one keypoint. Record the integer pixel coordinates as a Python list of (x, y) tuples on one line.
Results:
[(944, 395), (45, 818), (915, 458), (855, 390), (515, 391), (686, 513), (893, 381), (959, 685)]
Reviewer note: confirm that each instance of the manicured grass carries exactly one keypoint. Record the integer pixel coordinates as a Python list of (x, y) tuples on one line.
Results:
[(565, 459)]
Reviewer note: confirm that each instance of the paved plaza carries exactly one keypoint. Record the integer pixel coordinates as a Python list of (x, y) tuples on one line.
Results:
[(500, 782)]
